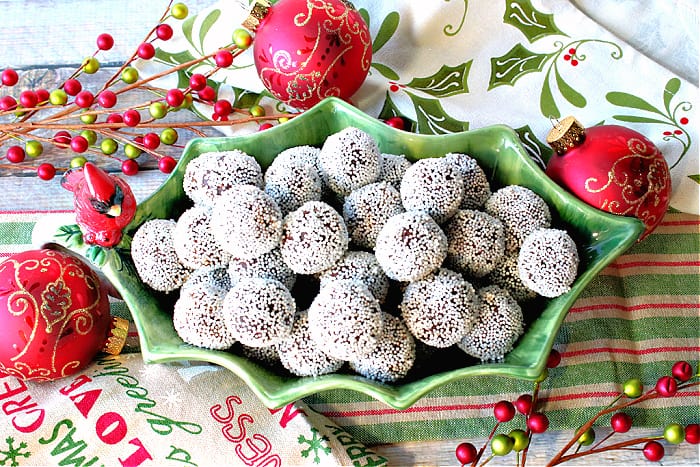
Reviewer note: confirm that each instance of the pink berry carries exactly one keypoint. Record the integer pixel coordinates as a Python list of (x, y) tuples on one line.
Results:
[(164, 32), (130, 167), (132, 117), (207, 93), (46, 171), (692, 433), (9, 77), (107, 99), (15, 154), (28, 99), (174, 97), (682, 371), (79, 144), (166, 164), (395, 122), (554, 359), (538, 422), (8, 103), (653, 451), (223, 58), (146, 51), (105, 41), (84, 99), (72, 87), (62, 139), (621, 422), (265, 126), (222, 107), (666, 386), (151, 141), (504, 411), (524, 403), (198, 81), (466, 453)]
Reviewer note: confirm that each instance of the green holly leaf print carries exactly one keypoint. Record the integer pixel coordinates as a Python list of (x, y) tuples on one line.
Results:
[(515, 64), (386, 31), (447, 81), (570, 94), (432, 118), (623, 99), (532, 23), (538, 151), (672, 87), (389, 109), (695, 178), (387, 72), (547, 105)]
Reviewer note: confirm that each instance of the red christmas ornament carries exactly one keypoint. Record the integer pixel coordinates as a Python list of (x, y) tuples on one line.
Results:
[(307, 50), (613, 168), (54, 316)]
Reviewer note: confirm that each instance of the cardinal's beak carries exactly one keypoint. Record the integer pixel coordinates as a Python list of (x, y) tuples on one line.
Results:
[(115, 210)]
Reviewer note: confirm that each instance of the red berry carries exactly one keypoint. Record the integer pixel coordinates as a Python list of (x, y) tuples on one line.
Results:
[(9, 77), (574, 62), (107, 99), (554, 359), (684, 120), (223, 58), (151, 141), (466, 453), (28, 99), (79, 144), (115, 118), (207, 93), (131, 117), (692, 433), (621, 422), (524, 404), (164, 32), (166, 164), (677, 132), (567, 57), (538, 422), (105, 41), (222, 107), (15, 154), (393, 87), (72, 87), (265, 126), (666, 386), (84, 99), (62, 139), (682, 371), (130, 167), (653, 451), (46, 171), (146, 51), (395, 122), (504, 411), (174, 97), (198, 81), (8, 103), (42, 95), (667, 133)]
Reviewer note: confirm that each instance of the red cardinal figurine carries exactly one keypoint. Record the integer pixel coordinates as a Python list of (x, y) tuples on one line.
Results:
[(104, 203)]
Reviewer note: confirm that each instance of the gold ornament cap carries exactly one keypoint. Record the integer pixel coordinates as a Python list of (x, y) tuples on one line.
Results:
[(566, 134), (117, 336), (256, 14)]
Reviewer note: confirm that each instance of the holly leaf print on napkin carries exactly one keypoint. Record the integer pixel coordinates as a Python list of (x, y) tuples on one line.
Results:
[(532, 23)]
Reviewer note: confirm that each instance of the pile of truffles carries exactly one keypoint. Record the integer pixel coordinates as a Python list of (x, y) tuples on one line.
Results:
[(345, 225)]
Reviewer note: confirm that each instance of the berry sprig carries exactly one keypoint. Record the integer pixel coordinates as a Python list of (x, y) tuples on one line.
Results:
[(86, 122), (632, 393)]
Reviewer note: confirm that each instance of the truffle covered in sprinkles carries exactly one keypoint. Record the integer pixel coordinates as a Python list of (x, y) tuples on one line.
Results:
[(361, 266), (194, 241), (269, 265), (506, 276), (394, 355), (476, 185), (410, 246), (153, 253), (434, 186), (349, 159), (299, 354), (292, 184), (498, 326), (246, 222), (214, 277), (475, 242), (345, 320), (314, 238), (213, 173), (367, 209), (267, 355), (392, 168), (440, 309), (521, 211), (259, 312), (548, 262)]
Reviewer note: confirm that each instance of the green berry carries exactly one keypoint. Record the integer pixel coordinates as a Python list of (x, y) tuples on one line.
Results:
[(131, 151), (257, 110), (587, 437), (33, 148), (109, 146), (520, 440), (283, 119), (78, 161), (179, 11), (674, 433), (88, 119), (242, 39), (130, 75), (158, 110), (91, 65), (502, 445), (90, 136), (58, 97), (633, 388), (168, 136)]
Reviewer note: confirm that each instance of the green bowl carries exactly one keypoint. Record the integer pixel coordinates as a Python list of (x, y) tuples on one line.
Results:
[(601, 237)]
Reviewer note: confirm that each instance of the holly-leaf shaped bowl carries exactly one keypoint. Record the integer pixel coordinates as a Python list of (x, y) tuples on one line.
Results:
[(600, 238)]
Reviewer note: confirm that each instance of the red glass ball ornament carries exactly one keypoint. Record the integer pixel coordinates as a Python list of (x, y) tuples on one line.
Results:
[(613, 168), (54, 315), (305, 51)]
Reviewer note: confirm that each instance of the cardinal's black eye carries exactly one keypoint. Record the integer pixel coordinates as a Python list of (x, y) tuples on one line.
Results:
[(100, 206)]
